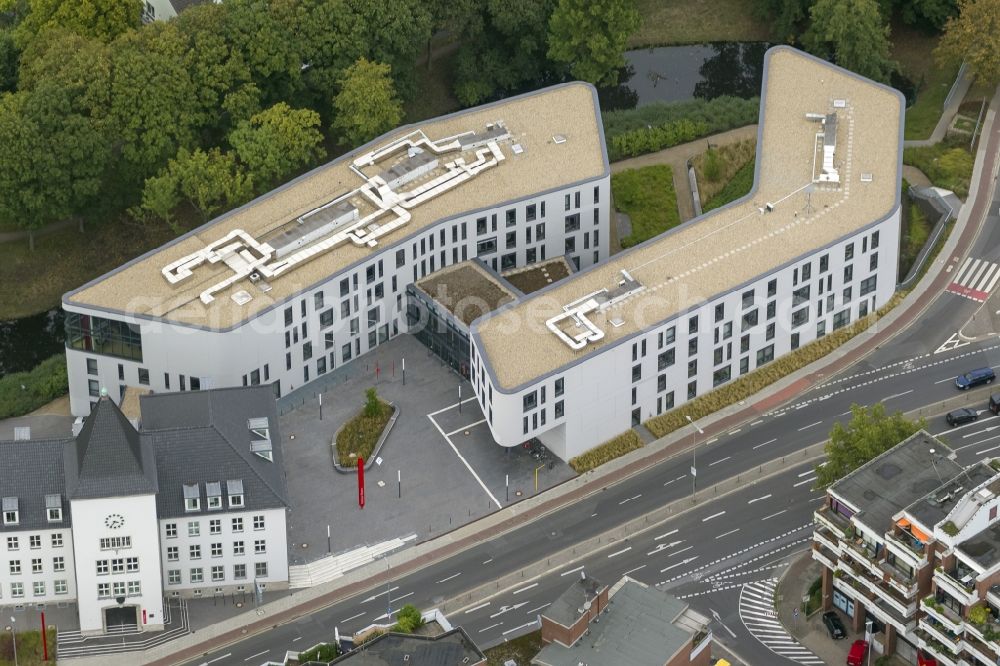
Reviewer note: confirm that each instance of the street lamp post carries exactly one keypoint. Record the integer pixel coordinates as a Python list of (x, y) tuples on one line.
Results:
[(13, 637), (694, 457), (868, 638)]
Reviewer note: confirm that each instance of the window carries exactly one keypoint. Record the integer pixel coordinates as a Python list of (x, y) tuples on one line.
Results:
[(795, 341), (218, 573), (194, 551), (749, 320), (849, 252), (873, 261), (847, 295), (238, 548), (824, 263), (307, 353), (559, 410), (103, 590), (259, 546), (559, 387), (800, 317), (94, 388), (237, 524), (103, 567), (530, 401), (636, 372), (173, 553), (868, 285), (239, 571), (12, 543), (848, 274), (720, 312), (540, 232), (665, 360), (59, 587), (35, 541), (764, 355), (196, 575), (59, 563), (570, 245), (258, 522), (722, 375), (692, 346), (174, 577), (10, 515), (744, 365), (57, 540), (874, 240), (194, 528), (772, 287), (718, 356), (530, 212), (144, 376), (103, 336), (215, 526), (487, 246), (768, 334), (806, 272), (661, 383), (131, 564), (771, 308), (744, 344), (171, 530), (747, 299), (820, 329), (693, 325), (192, 500), (841, 319), (260, 569), (692, 390), (800, 295), (116, 543), (288, 316), (692, 367), (38, 587)]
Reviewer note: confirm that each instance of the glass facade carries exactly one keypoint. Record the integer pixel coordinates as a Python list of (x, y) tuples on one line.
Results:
[(440, 335), (103, 336)]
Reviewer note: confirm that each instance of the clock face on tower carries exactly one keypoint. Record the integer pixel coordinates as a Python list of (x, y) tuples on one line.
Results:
[(114, 521)]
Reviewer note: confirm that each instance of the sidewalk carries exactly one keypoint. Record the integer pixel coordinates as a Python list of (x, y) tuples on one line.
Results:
[(955, 98)]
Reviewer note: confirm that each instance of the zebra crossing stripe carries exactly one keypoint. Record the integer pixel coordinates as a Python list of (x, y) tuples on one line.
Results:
[(975, 279), (964, 280), (757, 613)]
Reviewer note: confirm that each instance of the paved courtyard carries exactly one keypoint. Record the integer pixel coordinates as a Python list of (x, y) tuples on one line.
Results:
[(449, 469)]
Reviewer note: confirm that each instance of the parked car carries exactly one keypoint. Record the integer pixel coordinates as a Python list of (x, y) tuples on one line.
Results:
[(857, 654), (960, 416), (995, 403), (833, 625), (976, 377)]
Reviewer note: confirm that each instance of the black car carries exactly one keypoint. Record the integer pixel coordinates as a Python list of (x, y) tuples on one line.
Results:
[(833, 625), (960, 416)]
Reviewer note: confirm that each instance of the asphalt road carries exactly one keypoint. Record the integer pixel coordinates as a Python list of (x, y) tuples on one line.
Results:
[(916, 369)]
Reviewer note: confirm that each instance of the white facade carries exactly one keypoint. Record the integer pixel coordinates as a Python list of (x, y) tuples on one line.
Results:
[(220, 553), (351, 312), (117, 560), (37, 566), (610, 390)]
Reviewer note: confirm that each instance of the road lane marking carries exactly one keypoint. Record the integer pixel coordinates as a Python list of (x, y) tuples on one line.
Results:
[(466, 427), (897, 395), (714, 515), (759, 498), (686, 560), (353, 617), (630, 499), (616, 554), (376, 596), (773, 515), (254, 656), (682, 550), (530, 624), (475, 608), (445, 409), (992, 448), (672, 480), (770, 441), (664, 536), (535, 610), (810, 480), (807, 472), (298, 638), (728, 533), (220, 658), (719, 461), (757, 422), (566, 573), (525, 588), (488, 561), (809, 426), (634, 570), (490, 627), (445, 580)]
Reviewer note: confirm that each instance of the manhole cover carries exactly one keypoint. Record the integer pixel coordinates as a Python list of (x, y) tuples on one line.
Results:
[(517, 493), (239, 604), (305, 545), (466, 433)]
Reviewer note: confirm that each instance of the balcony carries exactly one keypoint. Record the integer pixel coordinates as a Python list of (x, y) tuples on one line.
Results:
[(959, 584), (936, 649), (987, 633), (890, 596), (828, 538), (940, 633), (900, 580), (979, 650), (701, 640), (943, 614), (865, 557), (907, 549), (824, 557), (833, 521)]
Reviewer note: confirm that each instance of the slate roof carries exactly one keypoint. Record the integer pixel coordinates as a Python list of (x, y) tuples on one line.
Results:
[(638, 629), (201, 437), (31, 470), (893, 481), (447, 649), (109, 458), (568, 608)]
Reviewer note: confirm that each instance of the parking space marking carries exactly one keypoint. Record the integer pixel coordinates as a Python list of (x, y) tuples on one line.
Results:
[(466, 427), (464, 461), (445, 409)]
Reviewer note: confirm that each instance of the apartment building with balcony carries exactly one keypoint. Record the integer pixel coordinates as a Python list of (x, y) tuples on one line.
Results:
[(910, 542)]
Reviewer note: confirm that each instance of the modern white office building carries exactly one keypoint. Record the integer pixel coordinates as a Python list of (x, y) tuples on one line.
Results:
[(812, 248), (188, 499), (313, 274)]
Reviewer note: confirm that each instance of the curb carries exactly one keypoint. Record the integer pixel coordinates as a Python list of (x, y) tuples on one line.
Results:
[(378, 445)]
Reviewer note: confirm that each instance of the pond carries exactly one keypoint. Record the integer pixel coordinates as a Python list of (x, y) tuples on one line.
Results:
[(697, 71), (26, 342)]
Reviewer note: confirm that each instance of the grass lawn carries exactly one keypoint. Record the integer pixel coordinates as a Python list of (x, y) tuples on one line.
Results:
[(947, 164), (738, 185), (29, 648), (918, 228), (912, 49), (695, 21), (67, 259), (647, 196), (358, 437), (521, 650), (716, 167)]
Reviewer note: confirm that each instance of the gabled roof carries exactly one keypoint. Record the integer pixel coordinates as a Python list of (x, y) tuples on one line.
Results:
[(109, 457), (201, 437), (31, 470)]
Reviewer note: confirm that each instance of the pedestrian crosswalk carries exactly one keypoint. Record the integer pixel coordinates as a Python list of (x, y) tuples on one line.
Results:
[(975, 279), (758, 616)]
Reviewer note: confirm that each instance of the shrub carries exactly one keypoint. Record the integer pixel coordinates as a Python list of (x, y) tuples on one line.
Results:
[(945, 164), (408, 619), (949, 528), (747, 385), (738, 186), (713, 167), (718, 114), (322, 652), (615, 447), (23, 392), (647, 196), (978, 615), (657, 137), (360, 435)]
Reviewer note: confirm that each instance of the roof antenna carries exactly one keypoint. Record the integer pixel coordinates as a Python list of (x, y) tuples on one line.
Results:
[(933, 457)]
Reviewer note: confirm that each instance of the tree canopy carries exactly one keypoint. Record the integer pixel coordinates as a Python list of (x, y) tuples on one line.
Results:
[(103, 20), (854, 34), (208, 180), (276, 142), (870, 432), (366, 105), (974, 36), (589, 37)]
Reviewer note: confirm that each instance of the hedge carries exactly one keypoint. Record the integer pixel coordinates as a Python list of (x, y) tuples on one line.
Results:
[(647, 196), (615, 447), (747, 385), (719, 114), (41, 385)]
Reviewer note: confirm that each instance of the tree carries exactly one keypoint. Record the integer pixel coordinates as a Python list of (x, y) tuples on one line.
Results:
[(870, 432), (785, 16), (103, 20), (277, 141), (854, 34), (209, 181), (589, 36), (931, 15), (372, 405), (973, 36), (366, 105), (9, 56)]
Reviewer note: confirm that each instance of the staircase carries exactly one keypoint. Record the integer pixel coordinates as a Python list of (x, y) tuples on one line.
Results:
[(334, 566)]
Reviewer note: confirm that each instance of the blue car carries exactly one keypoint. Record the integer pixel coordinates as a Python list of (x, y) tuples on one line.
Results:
[(976, 377)]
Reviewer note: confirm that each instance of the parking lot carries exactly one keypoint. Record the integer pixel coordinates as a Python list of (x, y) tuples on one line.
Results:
[(439, 469)]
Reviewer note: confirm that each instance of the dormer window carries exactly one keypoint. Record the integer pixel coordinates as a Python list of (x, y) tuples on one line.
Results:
[(10, 511), (192, 498), (234, 488), (213, 491), (53, 508)]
